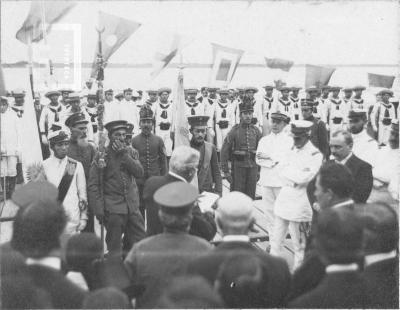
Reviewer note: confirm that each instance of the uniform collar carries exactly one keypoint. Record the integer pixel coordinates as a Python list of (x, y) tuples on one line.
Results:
[(375, 258), (341, 267), (343, 204), (59, 161), (240, 238), (50, 261)]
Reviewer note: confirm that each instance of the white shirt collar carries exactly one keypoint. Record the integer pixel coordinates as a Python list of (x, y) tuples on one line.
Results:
[(59, 161), (177, 176), (242, 238), (51, 262), (342, 267), (374, 258), (344, 161), (343, 204)]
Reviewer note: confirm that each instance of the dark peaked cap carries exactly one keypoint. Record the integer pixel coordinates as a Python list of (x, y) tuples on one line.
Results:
[(115, 125), (176, 197)]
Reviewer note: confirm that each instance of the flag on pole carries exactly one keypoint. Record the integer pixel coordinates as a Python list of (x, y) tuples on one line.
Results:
[(379, 80), (3, 91), (180, 120), (116, 31), (225, 62), (52, 11), (318, 76), (278, 63)]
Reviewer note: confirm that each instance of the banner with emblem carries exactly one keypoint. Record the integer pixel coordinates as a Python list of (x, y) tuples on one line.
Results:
[(115, 31), (278, 63), (380, 80), (225, 62), (318, 75), (42, 13)]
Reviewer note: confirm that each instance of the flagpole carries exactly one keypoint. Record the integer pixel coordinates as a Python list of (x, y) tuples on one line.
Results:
[(30, 65), (48, 63)]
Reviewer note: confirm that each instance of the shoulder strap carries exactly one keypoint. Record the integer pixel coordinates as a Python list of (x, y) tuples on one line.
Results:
[(66, 180)]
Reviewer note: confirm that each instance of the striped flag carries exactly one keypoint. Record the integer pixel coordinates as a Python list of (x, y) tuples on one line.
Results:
[(116, 31), (379, 80), (278, 63), (52, 11), (225, 62), (318, 76)]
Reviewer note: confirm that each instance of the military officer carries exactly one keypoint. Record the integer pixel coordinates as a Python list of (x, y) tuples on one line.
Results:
[(224, 117), (295, 114), (250, 91), (336, 111), (364, 146), (51, 114), (292, 208), (164, 113), (319, 134), (382, 116), (208, 173), (151, 150), (240, 147)]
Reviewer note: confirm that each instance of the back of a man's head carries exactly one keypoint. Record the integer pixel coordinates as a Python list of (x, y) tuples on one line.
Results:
[(82, 249), (336, 180), (339, 236), (184, 161), (189, 293), (235, 213), (381, 228), (37, 229), (242, 282), (106, 298)]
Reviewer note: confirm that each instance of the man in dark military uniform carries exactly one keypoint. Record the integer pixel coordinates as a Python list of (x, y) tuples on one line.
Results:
[(113, 193), (152, 154), (208, 173), (81, 150), (319, 134), (240, 148)]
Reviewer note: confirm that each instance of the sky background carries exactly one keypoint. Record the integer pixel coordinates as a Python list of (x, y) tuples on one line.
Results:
[(313, 32)]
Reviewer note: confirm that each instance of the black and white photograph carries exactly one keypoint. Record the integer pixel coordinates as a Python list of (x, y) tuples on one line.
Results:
[(199, 154)]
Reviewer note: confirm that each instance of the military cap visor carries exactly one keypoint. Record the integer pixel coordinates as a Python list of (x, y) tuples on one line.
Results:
[(285, 88), (74, 97), (151, 91), (223, 91), (18, 93), (116, 125), (359, 87), (108, 91), (278, 116), (191, 91), (347, 89), (357, 113), (128, 90), (295, 88), (164, 90), (52, 93), (385, 92), (299, 128), (75, 119), (251, 89), (120, 95), (199, 120), (312, 89), (176, 195), (334, 88), (268, 87), (66, 90), (58, 136)]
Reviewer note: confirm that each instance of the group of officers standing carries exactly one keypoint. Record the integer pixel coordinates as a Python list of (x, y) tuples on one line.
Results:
[(278, 141)]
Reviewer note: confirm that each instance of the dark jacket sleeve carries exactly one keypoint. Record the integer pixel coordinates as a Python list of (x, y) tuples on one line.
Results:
[(162, 156), (323, 139), (363, 183), (203, 225), (216, 173), (131, 163), (153, 226), (226, 150), (95, 195)]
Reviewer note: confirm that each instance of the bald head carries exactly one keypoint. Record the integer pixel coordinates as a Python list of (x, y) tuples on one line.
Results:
[(184, 162), (235, 213)]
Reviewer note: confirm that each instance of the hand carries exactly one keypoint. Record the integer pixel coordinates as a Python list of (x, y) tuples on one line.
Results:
[(316, 206), (118, 146), (229, 178), (82, 224), (83, 205), (211, 132), (44, 139)]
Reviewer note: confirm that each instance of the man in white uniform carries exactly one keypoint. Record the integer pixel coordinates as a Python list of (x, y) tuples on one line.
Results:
[(270, 151), (382, 115), (292, 208), (130, 111), (296, 106), (163, 112), (336, 111), (68, 175), (224, 117)]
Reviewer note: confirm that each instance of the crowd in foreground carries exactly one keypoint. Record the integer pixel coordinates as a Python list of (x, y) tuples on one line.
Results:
[(323, 187)]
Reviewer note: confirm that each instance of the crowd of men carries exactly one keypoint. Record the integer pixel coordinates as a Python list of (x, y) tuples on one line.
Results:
[(327, 167)]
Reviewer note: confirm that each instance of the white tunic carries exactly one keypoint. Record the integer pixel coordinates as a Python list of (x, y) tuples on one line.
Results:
[(336, 108), (229, 113), (297, 170), (130, 114), (276, 147), (386, 163), (365, 147), (50, 115), (10, 135), (295, 113), (54, 169), (383, 112), (267, 106)]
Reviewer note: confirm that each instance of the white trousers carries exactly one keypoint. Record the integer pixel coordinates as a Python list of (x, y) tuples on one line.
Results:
[(221, 134), (383, 134), (8, 166), (297, 236), (269, 195), (166, 137)]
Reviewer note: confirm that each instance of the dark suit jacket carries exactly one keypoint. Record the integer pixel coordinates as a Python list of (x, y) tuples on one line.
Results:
[(383, 283), (64, 294), (209, 264), (362, 174), (203, 224), (337, 290), (154, 261)]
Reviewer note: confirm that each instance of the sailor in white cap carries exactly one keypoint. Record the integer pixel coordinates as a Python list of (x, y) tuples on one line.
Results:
[(68, 175), (292, 208), (382, 116), (224, 116), (130, 110), (336, 111), (164, 113), (268, 105), (296, 106)]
